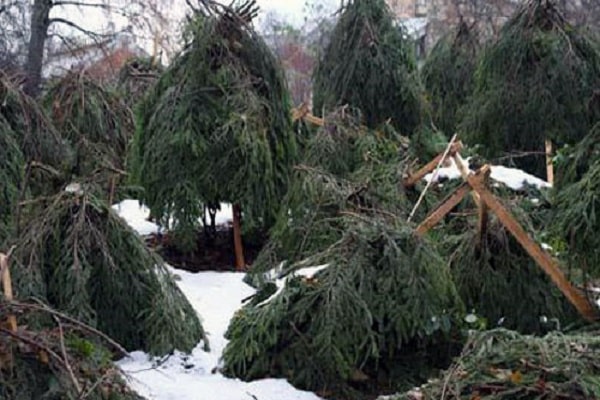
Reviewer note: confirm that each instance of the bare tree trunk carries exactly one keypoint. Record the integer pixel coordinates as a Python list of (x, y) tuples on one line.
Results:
[(40, 22)]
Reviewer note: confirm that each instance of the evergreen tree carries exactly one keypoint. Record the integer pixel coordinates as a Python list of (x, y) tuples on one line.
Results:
[(369, 64), (94, 120), (78, 256), (534, 83), (11, 179), (448, 75), (216, 127)]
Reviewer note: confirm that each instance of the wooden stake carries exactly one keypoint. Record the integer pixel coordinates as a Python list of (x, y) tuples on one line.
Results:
[(548, 264), (240, 263), (549, 164), (431, 165), (7, 288), (443, 209), (482, 209)]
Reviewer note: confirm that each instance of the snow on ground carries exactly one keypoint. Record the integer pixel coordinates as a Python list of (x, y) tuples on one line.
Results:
[(137, 214), (513, 178), (215, 296)]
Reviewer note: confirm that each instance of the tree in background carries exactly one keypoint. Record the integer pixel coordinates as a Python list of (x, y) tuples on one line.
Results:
[(535, 82), (369, 64)]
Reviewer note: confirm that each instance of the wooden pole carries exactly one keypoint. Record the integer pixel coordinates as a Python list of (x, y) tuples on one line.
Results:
[(549, 164), (482, 209), (443, 209), (432, 165), (7, 288), (548, 264), (240, 263)]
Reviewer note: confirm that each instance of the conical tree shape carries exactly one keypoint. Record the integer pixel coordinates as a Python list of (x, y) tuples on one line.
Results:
[(448, 75), (94, 119), (383, 302), (79, 257), (216, 127), (369, 64), (535, 82)]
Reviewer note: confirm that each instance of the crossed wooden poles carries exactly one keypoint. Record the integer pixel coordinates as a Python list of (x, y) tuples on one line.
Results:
[(477, 184)]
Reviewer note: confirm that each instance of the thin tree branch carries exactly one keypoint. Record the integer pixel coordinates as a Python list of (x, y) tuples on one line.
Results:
[(81, 29)]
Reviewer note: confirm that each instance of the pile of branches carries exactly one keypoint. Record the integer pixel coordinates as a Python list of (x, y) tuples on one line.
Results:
[(52, 355), (136, 77), (81, 258), (47, 155), (381, 308), (369, 64), (221, 114), (536, 82), (503, 365), (94, 119), (448, 75)]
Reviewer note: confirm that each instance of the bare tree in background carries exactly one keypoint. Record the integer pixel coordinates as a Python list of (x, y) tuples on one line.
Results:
[(29, 28)]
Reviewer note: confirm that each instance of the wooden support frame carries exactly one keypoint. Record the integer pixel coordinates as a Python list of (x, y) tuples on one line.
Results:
[(443, 209), (7, 287), (548, 264), (488, 202), (549, 164), (431, 166)]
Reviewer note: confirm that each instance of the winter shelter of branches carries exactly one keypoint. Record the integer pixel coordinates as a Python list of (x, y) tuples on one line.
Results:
[(476, 184)]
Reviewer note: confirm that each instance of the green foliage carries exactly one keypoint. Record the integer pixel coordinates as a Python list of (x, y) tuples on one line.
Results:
[(504, 365), (94, 119), (385, 299), (216, 127), (136, 77), (83, 259), (344, 166), (40, 142), (385, 304), (576, 222), (499, 281), (66, 372), (535, 82), (370, 65), (11, 178), (448, 75)]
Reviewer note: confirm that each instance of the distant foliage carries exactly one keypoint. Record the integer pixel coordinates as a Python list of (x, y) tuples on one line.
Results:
[(216, 127), (369, 64), (448, 75), (536, 82), (136, 77)]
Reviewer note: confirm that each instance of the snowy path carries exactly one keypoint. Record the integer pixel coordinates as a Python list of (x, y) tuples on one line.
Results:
[(215, 296)]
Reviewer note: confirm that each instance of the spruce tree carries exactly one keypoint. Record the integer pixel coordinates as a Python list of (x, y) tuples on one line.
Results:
[(216, 127), (369, 64), (534, 83), (448, 75)]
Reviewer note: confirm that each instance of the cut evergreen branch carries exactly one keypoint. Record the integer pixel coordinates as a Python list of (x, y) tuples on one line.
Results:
[(216, 127), (77, 255), (505, 365), (535, 82), (369, 64), (382, 309), (448, 75), (54, 357), (94, 119)]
